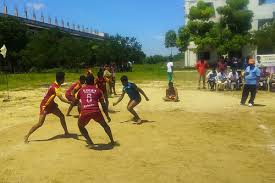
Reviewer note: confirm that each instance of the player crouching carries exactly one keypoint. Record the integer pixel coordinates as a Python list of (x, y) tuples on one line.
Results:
[(89, 97), (71, 92), (48, 106)]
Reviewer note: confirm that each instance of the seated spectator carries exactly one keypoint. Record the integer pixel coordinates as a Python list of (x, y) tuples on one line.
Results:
[(234, 64), (211, 79), (272, 82), (240, 80), (221, 81), (171, 93), (263, 81), (232, 80)]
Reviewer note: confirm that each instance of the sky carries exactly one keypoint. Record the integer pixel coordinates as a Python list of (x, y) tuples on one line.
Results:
[(147, 20)]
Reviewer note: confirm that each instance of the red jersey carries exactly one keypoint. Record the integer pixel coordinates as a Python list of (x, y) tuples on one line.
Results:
[(101, 84), (75, 86), (48, 101), (202, 67), (221, 66), (89, 97)]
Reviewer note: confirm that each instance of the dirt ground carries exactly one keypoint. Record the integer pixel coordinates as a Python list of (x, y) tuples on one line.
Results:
[(206, 137)]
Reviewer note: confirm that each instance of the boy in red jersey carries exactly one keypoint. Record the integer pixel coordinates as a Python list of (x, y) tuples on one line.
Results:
[(101, 84), (70, 93), (89, 96), (48, 106)]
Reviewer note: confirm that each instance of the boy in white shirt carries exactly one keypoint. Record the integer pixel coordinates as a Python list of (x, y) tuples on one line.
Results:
[(221, 80), (232, 80), (211, 79), (170, 70)]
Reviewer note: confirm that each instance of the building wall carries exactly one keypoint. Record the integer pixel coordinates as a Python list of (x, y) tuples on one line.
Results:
[(261, 12)]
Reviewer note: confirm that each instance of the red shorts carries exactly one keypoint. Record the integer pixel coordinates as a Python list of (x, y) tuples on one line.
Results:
[(85, 117), (48, 109)]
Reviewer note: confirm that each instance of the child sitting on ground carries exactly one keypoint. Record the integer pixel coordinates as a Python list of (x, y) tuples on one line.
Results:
[(171, 93)]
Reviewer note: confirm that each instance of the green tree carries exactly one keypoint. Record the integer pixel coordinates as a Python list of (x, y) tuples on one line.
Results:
[(199, 27), (234, 26), (265, 39), (13, 35), (53, 48), (183, 39), (170, 39)]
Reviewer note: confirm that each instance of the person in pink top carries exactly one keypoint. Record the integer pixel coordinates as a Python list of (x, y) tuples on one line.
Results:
[(201, 67), (221, 66), (89, 97)]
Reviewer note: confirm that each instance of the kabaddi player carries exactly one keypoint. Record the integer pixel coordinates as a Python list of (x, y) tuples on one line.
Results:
[(134, 94), (48, 105), (89, 71), (89, 96), (101, 84), (171, 93), (70, 93)]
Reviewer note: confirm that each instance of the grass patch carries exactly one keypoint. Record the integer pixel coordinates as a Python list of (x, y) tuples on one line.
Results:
[(141, 73)]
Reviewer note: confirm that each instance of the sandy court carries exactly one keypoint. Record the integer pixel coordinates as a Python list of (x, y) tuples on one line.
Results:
[(206, 137)]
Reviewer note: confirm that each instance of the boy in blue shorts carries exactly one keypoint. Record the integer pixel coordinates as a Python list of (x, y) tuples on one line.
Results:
[(134, 94)]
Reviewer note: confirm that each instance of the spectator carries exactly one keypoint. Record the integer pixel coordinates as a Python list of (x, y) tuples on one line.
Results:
[(170, 70), (221, 80), (108, 77), (234, 63), (211, 79), (221, 66), (252, 76), (259, 63), (130, 66), (113, 83), (201, 67), (233, 80)]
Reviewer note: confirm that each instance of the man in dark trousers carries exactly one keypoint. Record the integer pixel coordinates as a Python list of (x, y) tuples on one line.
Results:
[(252, 76)]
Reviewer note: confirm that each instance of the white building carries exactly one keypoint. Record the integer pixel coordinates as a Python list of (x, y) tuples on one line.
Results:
[(262, 13)]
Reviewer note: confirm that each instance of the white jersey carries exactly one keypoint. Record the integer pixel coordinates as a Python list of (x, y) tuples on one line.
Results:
[(169, 66)]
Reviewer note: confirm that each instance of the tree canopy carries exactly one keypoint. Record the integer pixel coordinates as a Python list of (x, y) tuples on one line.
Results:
[(229, 34), (170, 39), (46, 49), (265, 39)]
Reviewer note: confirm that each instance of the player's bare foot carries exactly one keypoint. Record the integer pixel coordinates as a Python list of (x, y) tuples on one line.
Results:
[(26, 140), (92, 146), (138, 122), (114, 143), (134, 119)]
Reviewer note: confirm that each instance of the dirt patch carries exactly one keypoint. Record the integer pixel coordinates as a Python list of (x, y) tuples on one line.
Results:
[(206, 137)]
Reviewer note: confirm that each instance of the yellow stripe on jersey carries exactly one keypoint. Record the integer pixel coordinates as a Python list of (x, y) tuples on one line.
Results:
[(49, 100), (58, 92)]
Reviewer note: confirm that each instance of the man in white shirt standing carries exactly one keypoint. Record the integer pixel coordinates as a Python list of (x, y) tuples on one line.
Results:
[(170, 70)]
